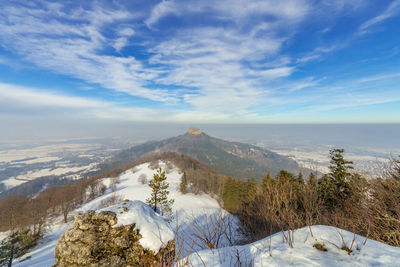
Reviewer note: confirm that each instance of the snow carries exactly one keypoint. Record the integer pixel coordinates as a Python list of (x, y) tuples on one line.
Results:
[(155, 231), (371, 253), (30, 175), (189, 210), (7, 156), (195, 214), (12, 182), (40, 160)]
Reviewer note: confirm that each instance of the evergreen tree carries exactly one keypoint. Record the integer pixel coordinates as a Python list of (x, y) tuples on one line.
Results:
[(284, 176), (266, 181), (231, 195), (159, 195), (249, 189), (335, 187), (339, 169), (16, 245), (183, 185), (300, 178), (312, 180)]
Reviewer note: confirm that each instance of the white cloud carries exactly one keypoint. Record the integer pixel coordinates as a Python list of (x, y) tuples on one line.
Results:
[(72, 43), (218, 70), (379, 77), (120, 43), (123, 40), (162, 9), (33, 97), (308, 58), (392, 10), (231, 9), (126, 32), (220, 63), (32, 101)]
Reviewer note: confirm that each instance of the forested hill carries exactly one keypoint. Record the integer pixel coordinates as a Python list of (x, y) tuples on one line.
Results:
[(229, 158)]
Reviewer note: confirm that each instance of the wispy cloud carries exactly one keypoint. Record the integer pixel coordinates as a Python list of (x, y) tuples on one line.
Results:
[(23, 95), (392, 10), (73, 44), (386, 76), (27, 101), (203, 60), (224, 63), (208, 58)]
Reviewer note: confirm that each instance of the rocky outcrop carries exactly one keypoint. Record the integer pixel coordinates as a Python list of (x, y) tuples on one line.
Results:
[(93, 241), (194, 131)]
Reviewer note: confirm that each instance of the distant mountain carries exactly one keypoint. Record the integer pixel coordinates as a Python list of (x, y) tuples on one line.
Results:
[(229, 158)]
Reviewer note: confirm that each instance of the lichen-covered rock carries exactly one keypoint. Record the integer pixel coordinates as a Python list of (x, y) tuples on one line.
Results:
[(93, 241)]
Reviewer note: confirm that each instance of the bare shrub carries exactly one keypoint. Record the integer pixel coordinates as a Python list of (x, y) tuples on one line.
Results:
[(212, 231), (385, 205), (113, 183), (142, 178), (110, 201), (276, 207), (154, 164), (168, 167), (96, 188)]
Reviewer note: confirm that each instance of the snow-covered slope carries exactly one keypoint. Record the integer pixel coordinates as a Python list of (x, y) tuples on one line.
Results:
[(192, 213), (197, 216), (275, 251)]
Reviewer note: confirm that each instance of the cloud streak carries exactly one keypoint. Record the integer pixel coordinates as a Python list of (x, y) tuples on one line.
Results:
[(392, 10)]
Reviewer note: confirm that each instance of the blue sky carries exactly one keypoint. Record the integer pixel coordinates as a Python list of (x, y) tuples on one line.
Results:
[(225, 61)]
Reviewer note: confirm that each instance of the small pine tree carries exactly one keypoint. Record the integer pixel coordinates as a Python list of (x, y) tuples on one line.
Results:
[(340, 169), (335, 187), (159, 195), (183, 185)]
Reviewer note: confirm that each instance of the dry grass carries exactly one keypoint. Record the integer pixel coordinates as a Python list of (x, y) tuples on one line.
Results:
[(320, 247)]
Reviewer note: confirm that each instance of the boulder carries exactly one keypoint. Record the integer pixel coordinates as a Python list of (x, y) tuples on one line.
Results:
[(93, 241)]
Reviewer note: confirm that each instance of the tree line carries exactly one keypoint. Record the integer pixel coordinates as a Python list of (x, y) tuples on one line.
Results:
[(342, 198)]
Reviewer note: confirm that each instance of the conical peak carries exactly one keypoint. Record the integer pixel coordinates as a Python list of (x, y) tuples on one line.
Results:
[(194, 131)]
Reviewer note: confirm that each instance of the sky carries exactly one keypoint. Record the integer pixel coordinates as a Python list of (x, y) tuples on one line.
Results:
[(190, 61)]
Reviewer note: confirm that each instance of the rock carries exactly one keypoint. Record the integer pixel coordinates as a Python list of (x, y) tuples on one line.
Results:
[(194, 131), (93, 241)]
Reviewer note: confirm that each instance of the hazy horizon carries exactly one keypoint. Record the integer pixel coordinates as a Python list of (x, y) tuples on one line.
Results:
[(383, 137)]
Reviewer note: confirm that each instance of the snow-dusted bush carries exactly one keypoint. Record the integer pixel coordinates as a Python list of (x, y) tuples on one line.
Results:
[(168, 167), (110, 201), (154, 165), (113, 183), (142, 178)]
